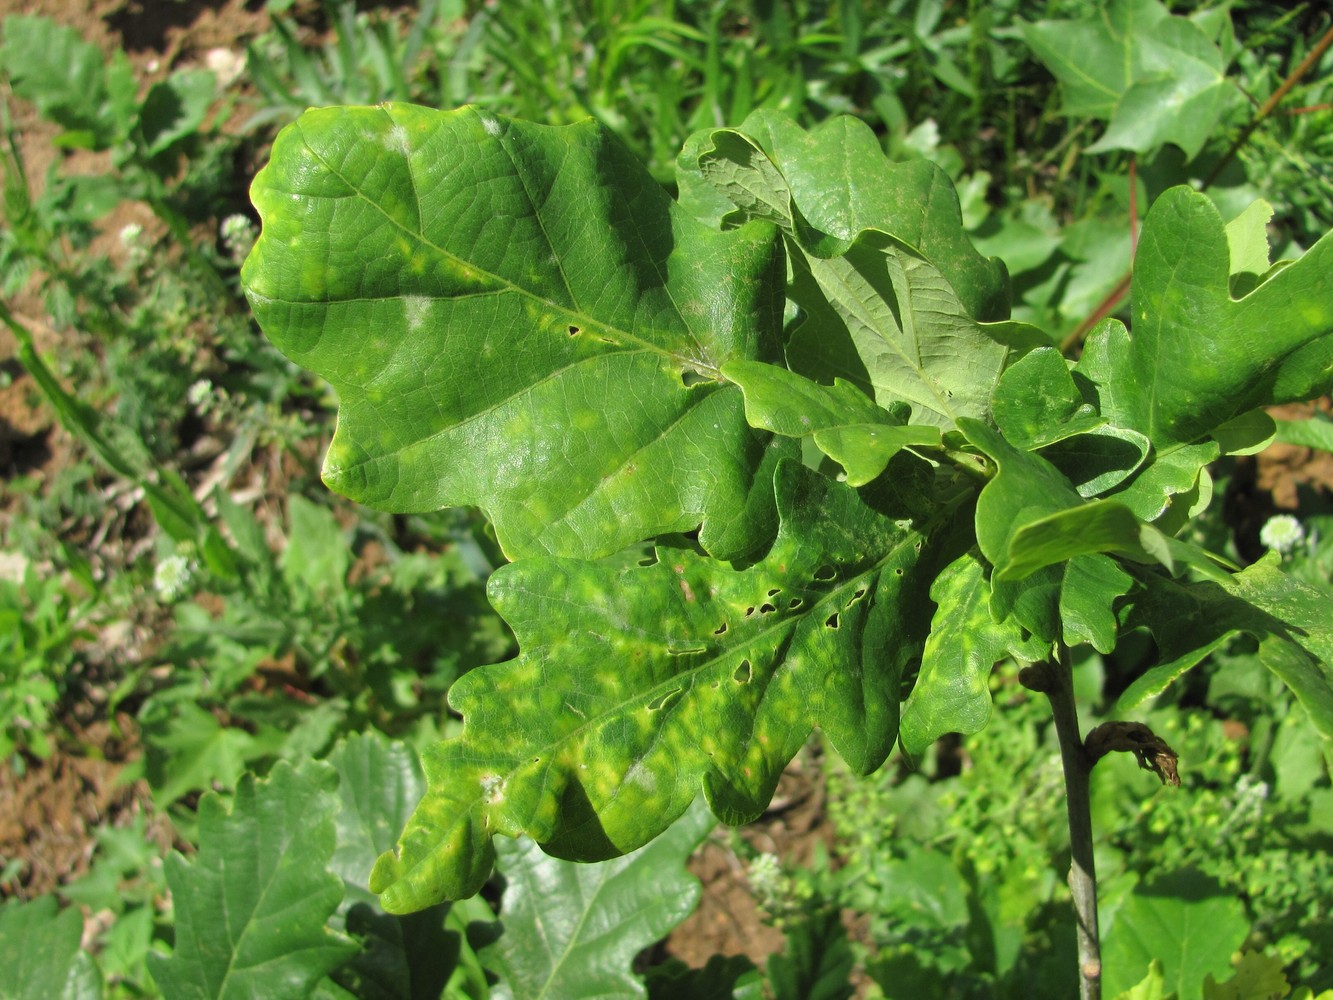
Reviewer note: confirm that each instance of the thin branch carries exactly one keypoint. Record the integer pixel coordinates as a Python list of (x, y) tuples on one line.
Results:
[(1104, 309), (1293, 78)]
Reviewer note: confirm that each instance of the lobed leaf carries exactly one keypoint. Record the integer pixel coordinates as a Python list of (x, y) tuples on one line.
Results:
[(952, 691), (640, 685), (1155, 78), (252, 905), (573, 930), (1029, 516), (517, 317), (835, 181), (1200, 362), (885, 276), (1199, 358), (840, 419), (1038, 407)]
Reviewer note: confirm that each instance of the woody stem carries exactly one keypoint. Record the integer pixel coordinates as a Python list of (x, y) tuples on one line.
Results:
[(1055, 680)]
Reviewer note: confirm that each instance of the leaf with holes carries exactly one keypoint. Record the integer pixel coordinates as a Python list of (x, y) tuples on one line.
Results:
[(681, 676), (517, 317)]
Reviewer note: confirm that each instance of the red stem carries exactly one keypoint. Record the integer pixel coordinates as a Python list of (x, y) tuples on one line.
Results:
[(1108, 304)]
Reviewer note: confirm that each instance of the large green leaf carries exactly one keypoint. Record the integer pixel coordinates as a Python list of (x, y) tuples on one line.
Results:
[(41, 957), (251, 906), (881, 265), (844, 423), (1184, 920), (639, 685), (573, 930), (1198, 361), (835, 180), (1154, 77), (1293, 622), (517, 317), (952, 691)]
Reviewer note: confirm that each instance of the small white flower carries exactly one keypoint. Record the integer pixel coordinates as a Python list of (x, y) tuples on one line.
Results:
[(766, 877), (171, 577), (199, 392), (1282, 533), (13, 566), (226, 65), (130, 235), (131, 238), (238, 235)]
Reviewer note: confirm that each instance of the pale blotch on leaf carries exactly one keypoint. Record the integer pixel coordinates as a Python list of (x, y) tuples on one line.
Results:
[(415, 309), (492, 788), (395, 140)]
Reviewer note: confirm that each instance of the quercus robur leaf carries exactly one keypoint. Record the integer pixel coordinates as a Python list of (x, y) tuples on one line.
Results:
[(952, 691), (1293, 622), (41, 955), (572, 930), (834, 180), (882, 266), (1037, 407), (844, 423), (1153, 77), (517, 317), (252, 904), (1029, 516), (1091, 586), (1198, 360), (640, 685)]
